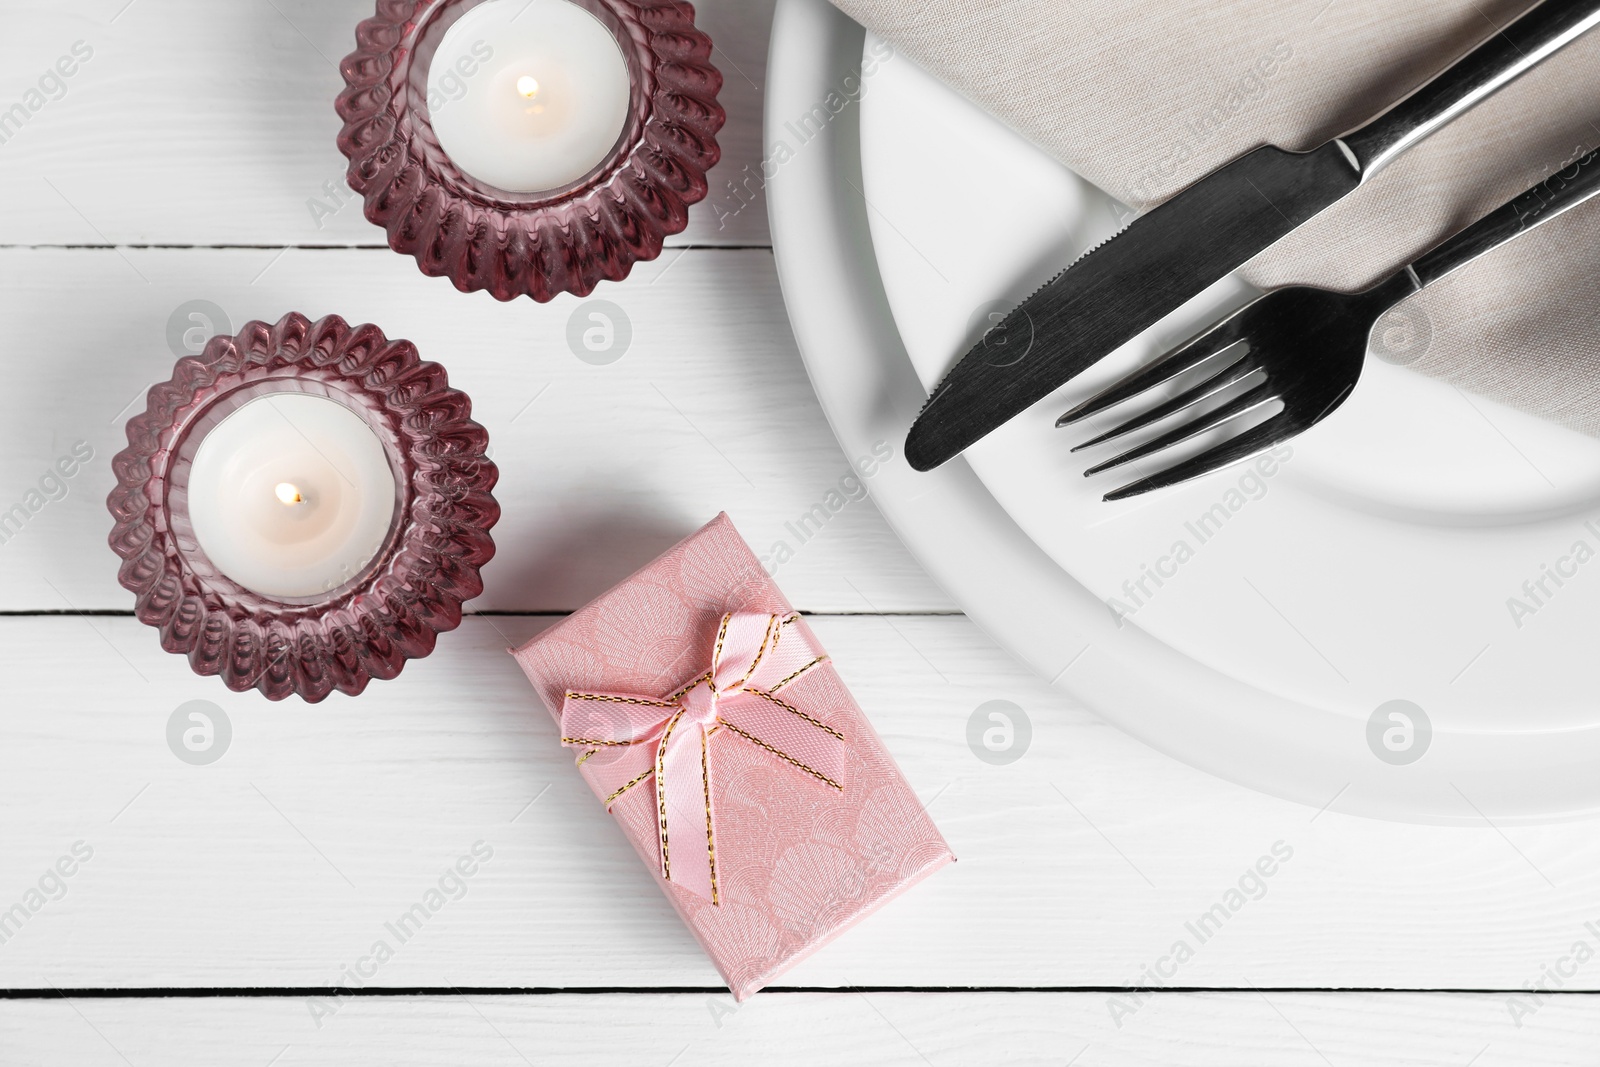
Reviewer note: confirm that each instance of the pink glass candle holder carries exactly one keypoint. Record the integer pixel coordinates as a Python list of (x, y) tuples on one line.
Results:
[(539, 244), (386, 610)]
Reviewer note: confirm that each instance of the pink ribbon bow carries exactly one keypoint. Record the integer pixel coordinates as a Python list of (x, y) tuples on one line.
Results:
[(628, 738)]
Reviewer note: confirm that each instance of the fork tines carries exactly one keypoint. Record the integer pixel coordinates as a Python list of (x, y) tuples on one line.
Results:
[(1232, 368)]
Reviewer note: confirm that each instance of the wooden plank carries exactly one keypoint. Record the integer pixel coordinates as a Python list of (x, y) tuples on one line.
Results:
[(602, 466), (1172, 1030), (1084, 863), (197, 123)]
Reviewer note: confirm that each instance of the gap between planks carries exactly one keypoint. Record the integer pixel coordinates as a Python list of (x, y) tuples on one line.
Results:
[(357, 247), (290, 992)]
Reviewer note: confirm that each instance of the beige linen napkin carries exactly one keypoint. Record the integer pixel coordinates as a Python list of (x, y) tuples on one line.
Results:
[(1144, 97)]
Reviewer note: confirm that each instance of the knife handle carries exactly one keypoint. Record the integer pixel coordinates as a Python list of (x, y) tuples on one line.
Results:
[(1485, 70), (1575, 183)]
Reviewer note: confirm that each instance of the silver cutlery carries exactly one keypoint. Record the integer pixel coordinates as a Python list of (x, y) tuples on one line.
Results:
[(1180, 248), (1299, 346)]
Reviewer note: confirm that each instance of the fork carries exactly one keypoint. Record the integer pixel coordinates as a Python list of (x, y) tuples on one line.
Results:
[(1302, 346)]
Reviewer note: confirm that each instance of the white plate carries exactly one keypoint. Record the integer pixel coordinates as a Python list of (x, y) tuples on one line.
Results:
[(1375, 564)]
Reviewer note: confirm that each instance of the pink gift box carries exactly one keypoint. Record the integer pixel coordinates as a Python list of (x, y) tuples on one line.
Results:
[(782, 820)]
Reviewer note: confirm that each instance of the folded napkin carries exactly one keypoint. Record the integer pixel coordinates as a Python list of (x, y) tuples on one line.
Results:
[(1144, 97)]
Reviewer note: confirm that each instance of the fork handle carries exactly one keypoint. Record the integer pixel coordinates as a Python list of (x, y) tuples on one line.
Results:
[(1491, 66), (1562, 191)]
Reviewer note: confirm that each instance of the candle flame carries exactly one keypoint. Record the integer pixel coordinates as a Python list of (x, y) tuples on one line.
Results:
[(289, 493), (528, 87)]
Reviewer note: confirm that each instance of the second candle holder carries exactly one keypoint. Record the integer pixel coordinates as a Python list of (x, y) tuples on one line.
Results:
[(528, 95), (303, 507)]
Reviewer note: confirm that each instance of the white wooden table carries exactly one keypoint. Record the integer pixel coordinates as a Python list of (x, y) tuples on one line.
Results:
[(218, 904)]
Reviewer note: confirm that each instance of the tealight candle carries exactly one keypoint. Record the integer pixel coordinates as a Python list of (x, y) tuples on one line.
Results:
[(530, 147), (303, 507), (528, 96), (291, 495)]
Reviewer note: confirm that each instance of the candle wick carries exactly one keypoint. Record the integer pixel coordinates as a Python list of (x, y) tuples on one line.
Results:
[(528, 87), (289, 494)]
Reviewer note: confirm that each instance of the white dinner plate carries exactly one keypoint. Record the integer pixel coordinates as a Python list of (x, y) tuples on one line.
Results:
[(1369, 619)]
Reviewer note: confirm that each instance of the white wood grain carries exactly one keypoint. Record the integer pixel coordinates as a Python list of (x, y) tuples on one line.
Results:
[(876, 1029), (202, 123), (1080, 864), (602, 467)]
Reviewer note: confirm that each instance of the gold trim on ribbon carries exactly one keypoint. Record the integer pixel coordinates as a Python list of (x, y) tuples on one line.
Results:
[(585, 757), (792, 710), (781, 682), (711, 844), (624, 788), (769, 641), (596, 741), (683, 691), (661, 790), (607, 698), (716, 652), (754, 740)]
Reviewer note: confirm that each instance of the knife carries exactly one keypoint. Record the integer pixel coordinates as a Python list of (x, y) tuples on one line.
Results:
[(1121, 288)]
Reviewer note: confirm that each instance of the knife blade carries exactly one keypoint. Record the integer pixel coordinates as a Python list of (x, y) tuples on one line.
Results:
[(1175, 251)]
